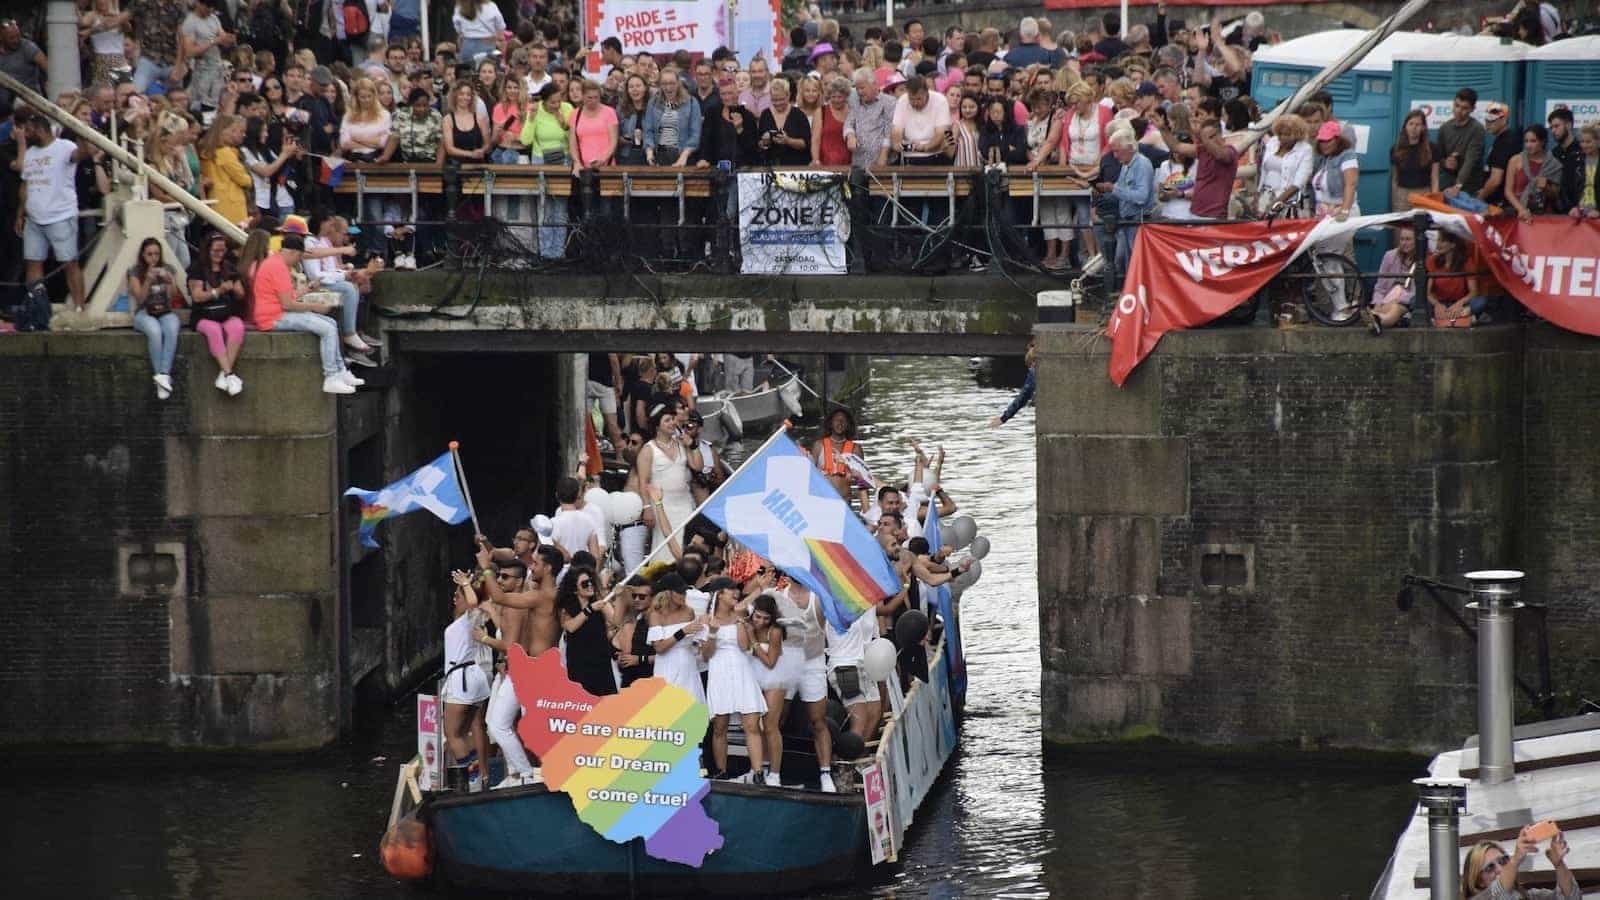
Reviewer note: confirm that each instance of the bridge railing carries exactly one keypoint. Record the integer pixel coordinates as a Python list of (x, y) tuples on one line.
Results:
[(971, 210)]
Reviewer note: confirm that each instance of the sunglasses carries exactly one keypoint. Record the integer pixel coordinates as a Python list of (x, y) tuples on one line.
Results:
[(585, 583), (1495, 866)]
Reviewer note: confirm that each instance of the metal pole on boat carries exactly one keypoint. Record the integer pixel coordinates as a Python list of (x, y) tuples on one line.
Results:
[(1494, 596), (1445, 799)]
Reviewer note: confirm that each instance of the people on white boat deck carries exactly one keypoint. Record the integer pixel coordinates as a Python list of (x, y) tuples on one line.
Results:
[(1489, 873), (706, 616)]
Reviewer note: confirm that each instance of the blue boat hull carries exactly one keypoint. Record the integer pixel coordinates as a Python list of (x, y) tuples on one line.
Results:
[(776, 840)]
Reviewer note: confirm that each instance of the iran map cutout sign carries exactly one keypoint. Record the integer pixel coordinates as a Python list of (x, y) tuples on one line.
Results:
[(630, 762)]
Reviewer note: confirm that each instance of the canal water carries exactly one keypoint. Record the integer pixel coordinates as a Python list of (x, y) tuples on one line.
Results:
[(1004, 823)]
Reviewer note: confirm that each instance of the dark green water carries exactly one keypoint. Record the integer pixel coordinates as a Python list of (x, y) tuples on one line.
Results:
[(1004, 823)]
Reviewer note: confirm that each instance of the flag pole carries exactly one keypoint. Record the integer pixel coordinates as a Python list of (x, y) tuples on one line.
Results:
[(678, 530), (461, 476)]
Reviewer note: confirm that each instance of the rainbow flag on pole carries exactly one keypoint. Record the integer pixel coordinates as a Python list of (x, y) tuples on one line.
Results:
[(781, 507), (434, 487)]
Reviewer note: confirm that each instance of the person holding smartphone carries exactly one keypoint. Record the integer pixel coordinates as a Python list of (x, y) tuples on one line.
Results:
[(784, 131)]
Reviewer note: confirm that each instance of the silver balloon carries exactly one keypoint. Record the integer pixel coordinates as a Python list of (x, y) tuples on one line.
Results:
[(980, 547), (966, 528), (970, 577), (947, 535)]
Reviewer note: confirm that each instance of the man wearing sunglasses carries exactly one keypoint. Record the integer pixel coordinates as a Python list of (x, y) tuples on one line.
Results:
[(527, 616)]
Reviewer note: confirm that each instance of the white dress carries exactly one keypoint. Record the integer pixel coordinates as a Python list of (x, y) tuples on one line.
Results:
[(672, 476), (785, 675), (732, 688), (677, 665)]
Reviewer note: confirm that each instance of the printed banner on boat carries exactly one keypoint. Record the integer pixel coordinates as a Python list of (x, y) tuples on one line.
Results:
[(792, 223), (1551, 265), (430, 743), (913, 752), (658, 26), (878, 830), (629, 762)]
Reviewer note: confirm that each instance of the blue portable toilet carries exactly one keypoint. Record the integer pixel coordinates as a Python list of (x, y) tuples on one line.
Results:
[(1428, 75), (1565, 73), (1363, 97)]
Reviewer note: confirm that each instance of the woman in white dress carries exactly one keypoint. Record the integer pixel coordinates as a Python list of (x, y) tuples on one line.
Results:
[(777, 665), (664, 463), (674, 632), (731, 686)]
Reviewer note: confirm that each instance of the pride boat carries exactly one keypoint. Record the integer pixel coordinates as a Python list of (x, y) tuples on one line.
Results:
[(776, 840)]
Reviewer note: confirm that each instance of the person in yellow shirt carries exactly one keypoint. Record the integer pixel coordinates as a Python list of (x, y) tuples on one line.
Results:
[(226, 179)]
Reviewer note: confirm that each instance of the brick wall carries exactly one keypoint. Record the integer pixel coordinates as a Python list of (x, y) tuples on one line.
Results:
[(1331, 463), (239, 647)]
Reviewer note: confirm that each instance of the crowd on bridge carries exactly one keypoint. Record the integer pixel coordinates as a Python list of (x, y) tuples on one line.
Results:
[(258, 106), (663, 592)]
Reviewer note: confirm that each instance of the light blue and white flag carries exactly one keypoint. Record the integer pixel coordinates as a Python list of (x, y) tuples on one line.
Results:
[(785, 511), (434, 487), (939, 599)]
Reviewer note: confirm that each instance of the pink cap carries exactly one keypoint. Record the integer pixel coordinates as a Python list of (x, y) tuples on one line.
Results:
[(1329, 130)]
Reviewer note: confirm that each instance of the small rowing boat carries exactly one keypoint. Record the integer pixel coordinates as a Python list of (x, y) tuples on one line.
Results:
[(727, 416)]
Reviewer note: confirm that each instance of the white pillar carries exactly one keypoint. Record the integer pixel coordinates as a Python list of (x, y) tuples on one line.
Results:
[(61, 46)]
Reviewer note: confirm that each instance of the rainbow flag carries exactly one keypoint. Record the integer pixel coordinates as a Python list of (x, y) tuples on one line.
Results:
[(785, 511), (434, 487)]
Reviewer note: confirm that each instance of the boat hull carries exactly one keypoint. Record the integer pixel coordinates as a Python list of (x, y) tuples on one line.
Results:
[(776, 840)]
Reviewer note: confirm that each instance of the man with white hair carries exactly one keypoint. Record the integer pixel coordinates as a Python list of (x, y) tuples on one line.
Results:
[(1250, 33), (1135, 194), (1027, 52), (867, 125)]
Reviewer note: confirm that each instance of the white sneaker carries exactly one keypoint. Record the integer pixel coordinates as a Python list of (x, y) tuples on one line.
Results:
[(354, 342), (349, 377), (827, 783), (406, 262), (222, 381), (510, 781), (333, 384), (235, 385), (164, 382)]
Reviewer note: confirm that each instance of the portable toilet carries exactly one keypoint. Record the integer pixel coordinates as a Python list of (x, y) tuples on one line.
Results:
[(1565, 73), (1428, 75), (1362, 97)]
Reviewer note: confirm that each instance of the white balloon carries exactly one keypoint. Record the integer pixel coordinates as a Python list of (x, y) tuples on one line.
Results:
[(979, 547), (594, 506), (624, 508), (542, 525), (966, 528), (879, 659), (595, 497)]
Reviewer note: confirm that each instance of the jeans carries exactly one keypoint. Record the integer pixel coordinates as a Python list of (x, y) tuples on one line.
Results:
[(382, 211), (147, 71), (471, 48), (506, 156), (1124, 250), (349, 304), (327, 337), (161, 336)]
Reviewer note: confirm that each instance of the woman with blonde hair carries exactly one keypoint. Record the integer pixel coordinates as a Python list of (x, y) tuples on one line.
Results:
[(808, 99), (674, 632), (1084, 142), (1044, 138), (363, 136), (477, 23), (104, 24), (221, 168), (1489, 874), (166, 153), (1286, 160)]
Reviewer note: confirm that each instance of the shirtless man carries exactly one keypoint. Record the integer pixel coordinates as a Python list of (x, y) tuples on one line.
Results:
[(528, 618)]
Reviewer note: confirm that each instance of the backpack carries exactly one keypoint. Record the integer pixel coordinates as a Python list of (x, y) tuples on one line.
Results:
[(356, 21), (33, 313)]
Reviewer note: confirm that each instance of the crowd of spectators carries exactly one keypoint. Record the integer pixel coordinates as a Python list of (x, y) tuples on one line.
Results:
[(256, 105)]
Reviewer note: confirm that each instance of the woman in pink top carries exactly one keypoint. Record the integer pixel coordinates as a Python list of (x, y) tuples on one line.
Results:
[(594, 132)]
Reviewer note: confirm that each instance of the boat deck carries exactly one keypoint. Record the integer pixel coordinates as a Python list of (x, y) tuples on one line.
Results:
[(1557, 778)]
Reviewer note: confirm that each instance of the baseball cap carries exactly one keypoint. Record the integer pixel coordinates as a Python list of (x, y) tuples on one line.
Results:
[(1148, 89), (294, 242), (822, 49), (1328, 130), (1495, 110)]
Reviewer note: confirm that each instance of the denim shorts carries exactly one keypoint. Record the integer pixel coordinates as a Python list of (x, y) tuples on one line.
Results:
[(38, 240)]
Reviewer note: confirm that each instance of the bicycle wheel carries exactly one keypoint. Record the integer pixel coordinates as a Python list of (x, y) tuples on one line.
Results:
[(1334, 296)]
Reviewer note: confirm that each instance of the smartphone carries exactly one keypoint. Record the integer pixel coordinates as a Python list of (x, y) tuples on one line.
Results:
[(1543, 831)]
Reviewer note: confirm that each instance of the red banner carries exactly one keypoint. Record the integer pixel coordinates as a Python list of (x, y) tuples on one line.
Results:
[(1551, 265), (1185, 276)]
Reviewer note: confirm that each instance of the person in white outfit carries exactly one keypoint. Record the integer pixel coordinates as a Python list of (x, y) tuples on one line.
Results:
[(664, 463), (846, 653), (731, 687), (465, 686), (802, 618), (777, 660), (674, 633)]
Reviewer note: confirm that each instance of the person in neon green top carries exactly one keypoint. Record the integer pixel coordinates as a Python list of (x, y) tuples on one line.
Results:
[(546, 126)]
